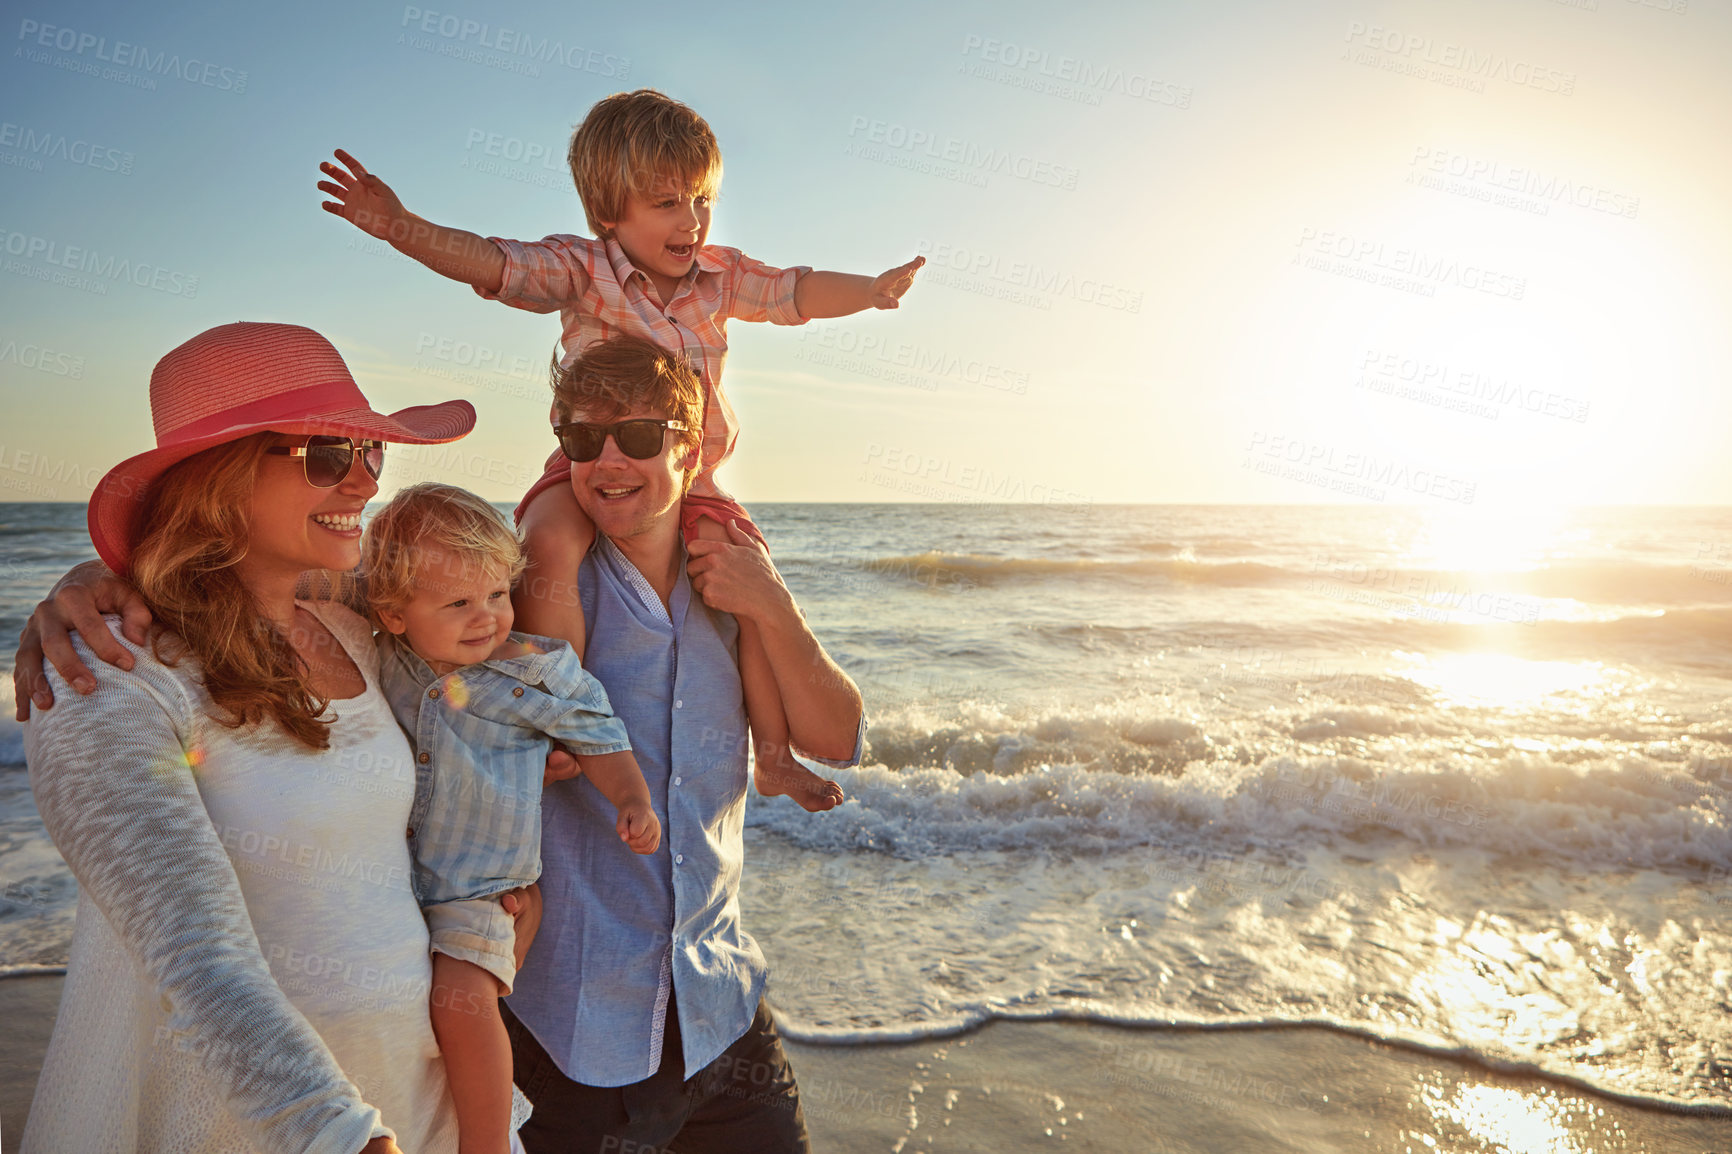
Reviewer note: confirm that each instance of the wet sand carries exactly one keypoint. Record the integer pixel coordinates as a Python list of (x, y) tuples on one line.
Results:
[(1074, 1086)]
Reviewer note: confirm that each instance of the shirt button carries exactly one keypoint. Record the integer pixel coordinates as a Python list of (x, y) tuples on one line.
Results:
[(433, 693), (679, 704), (410, 832), (518, 692), (679, 780), (424, 758), (679, 859)]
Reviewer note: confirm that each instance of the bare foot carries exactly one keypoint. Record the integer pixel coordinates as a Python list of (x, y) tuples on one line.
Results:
[(813, 793)]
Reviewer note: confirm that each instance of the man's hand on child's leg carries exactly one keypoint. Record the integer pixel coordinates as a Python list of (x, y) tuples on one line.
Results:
[(561, 766), (524, 906)]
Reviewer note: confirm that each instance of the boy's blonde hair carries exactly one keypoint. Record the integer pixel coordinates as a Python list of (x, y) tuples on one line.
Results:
[(629, 142), (435, 523)]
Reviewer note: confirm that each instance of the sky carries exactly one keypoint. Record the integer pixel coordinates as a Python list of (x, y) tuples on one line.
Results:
[(1466, 254)]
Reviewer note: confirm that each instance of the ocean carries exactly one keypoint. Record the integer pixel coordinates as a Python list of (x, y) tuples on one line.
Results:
[(1461, 784)]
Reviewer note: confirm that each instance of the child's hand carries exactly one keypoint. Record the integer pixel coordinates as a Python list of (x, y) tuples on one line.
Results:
[(638, 828), (887, 288), (363, 199)]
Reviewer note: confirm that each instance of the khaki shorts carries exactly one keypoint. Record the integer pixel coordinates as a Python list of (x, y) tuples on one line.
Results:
[(478, 931)]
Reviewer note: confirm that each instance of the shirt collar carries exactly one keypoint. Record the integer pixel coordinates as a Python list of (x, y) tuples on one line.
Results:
[(530, 667), (624, 270), (678, 601)]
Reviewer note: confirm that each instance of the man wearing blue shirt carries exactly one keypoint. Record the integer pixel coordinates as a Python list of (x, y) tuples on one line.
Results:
[(637, 1017), (637, 1021)]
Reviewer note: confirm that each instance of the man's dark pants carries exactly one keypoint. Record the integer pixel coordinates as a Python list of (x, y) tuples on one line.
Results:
[(745, 1100)]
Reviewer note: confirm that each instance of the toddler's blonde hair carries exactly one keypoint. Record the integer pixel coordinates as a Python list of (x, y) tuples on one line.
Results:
[(630, 141), (438, 524)]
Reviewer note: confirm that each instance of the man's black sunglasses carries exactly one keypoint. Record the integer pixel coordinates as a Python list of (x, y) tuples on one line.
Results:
[(327, 460), (640, 438)]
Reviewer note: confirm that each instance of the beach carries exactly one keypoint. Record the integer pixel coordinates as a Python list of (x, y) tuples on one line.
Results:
[(1215, 828), (1070, 1086)]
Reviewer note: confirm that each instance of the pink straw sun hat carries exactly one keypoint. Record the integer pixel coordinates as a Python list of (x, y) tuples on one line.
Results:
[(235, 380)]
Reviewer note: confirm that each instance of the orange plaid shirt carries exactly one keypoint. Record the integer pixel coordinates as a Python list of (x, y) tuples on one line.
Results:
[(598, 293)]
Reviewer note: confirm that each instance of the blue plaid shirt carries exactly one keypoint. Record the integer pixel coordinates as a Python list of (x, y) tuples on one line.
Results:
[(481, 735), (621, 931)]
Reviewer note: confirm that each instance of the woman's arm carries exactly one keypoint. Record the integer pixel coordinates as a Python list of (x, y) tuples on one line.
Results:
[(112, 780)]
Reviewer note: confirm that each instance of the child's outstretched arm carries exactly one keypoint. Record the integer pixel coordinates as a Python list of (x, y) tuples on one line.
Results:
[(840, 294), (368, 203), (621, 782)]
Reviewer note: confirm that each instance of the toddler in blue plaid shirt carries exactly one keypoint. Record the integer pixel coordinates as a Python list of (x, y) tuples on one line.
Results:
[(480, 703)]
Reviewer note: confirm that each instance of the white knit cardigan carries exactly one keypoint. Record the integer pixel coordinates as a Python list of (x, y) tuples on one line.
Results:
[(249, 968)]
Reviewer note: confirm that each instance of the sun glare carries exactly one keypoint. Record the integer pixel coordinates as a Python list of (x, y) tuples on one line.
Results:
[(1511, 540), (1507, 1120), (1498, 679)]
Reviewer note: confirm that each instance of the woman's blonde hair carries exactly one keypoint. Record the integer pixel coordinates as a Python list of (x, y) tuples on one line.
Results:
[(631, 140), (433, 524), (198, 515)]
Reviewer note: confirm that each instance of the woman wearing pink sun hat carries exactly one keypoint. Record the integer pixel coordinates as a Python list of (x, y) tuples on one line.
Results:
[(249, 967)]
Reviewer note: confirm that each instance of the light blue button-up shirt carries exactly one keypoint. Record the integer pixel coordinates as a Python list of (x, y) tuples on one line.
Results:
[(481, 735), (621, 931)]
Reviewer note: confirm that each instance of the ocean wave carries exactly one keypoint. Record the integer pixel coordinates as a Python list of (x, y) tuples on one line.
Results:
[(793, 1027), (936, 567), (1623, 810), (1592, 582), (11, 735)]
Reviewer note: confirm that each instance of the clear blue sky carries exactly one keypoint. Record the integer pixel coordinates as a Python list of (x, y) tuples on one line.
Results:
[(1235, 251)]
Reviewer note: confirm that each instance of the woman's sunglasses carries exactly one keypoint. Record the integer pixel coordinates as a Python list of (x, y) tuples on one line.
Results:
[(639, 439), (327, 460)]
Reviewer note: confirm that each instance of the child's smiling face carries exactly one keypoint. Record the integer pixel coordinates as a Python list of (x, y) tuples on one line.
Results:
[(460, 614), (662, 232)]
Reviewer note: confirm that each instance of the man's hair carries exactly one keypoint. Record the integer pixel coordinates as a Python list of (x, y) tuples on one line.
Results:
[(612, 377), (629, 142), (438, 524)]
